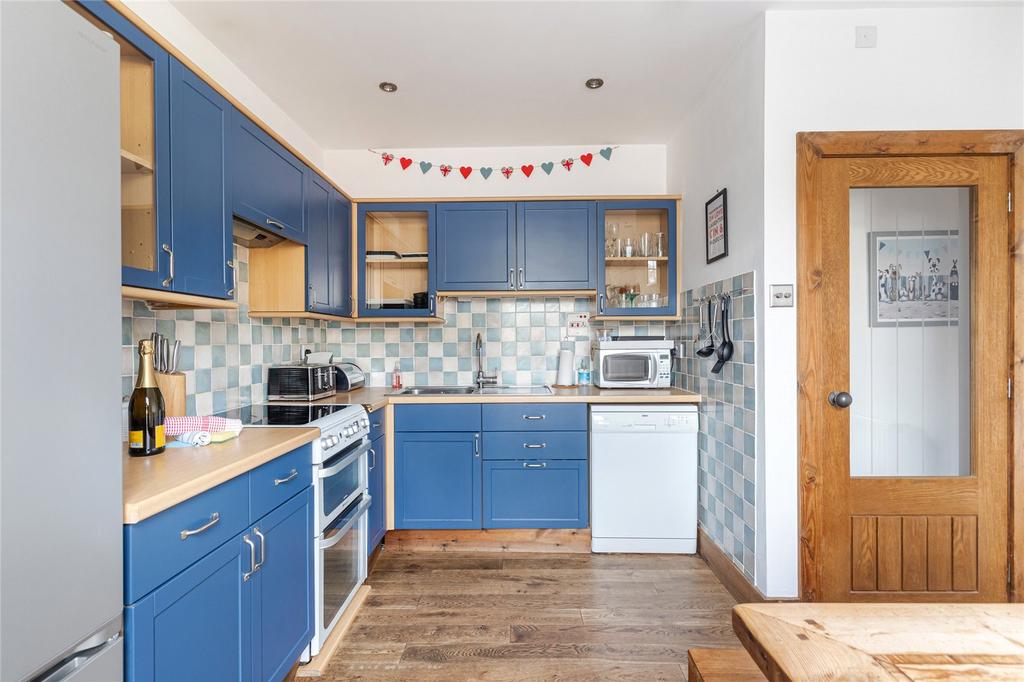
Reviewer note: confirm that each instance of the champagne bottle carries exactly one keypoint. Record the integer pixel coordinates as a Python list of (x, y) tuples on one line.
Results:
[(146, 409)]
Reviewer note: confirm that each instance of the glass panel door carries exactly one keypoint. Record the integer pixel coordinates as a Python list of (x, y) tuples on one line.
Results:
[(397, 261), (910, 331), (637, 272)]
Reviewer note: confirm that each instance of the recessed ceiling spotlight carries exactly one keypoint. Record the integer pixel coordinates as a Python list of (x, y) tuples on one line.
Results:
[(594, 83), (387, 87)]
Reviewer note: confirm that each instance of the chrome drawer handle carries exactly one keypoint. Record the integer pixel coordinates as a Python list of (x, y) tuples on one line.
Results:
[(263, 549), (290, 477), (271, 221), (377, 425), (214, 518), (252, 559), (534, 446), (534, 417), (535, 465), (170, 266)]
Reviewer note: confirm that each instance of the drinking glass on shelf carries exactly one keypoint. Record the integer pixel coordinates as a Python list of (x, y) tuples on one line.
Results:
[(659, 247), (627, 249), (616, 243), (645, 244)]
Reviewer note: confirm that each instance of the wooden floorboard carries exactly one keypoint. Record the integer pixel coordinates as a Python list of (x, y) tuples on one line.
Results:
[(523, 616)]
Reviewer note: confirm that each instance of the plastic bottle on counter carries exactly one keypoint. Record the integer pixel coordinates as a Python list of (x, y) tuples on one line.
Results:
[(396, 377), (583, 375)]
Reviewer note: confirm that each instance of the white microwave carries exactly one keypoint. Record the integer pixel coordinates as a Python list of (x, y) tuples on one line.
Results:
[(633, 364)]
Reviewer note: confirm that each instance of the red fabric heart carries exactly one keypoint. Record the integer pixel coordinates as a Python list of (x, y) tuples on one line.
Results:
[(586, 158), (405, 162), (387, 158), (527, 169), (466, 171)]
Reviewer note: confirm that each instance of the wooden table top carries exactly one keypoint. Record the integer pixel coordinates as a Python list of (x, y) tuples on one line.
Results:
[(803, 641)]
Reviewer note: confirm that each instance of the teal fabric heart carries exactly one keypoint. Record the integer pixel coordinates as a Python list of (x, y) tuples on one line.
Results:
[(606, 153), (547, 166), (486, 172), (425, 166)]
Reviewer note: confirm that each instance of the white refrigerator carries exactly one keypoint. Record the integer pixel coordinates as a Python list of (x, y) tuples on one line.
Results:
[(60, 338)]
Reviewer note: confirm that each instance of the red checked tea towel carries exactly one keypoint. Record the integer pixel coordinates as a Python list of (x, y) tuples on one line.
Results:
[(175, 426)]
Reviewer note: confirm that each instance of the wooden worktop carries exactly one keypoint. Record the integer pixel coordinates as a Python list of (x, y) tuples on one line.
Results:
[(376, 397), (884, 641), (153, 484)]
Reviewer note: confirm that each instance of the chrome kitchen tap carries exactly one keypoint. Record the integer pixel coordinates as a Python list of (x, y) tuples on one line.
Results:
[(481, 378)]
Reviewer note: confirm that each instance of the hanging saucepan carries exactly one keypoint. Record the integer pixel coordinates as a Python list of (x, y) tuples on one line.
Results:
[(725, 348)]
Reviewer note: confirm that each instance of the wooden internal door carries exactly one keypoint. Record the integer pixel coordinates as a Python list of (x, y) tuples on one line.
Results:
[(905, 294)]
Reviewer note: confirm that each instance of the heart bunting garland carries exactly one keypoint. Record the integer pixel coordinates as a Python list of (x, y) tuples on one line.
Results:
[(526, 169)]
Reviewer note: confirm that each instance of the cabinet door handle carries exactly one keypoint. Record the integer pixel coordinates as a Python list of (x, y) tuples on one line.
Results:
[(511, 279), (290, 477), (521, 285), (373, 459), (271, 221), (600, 303), (170, 265), (252, 559), (234, 278), (534, 417), (377, 425), (432, 304), (535, 465), (535, 446), (476, 445), (214, 519), (312, 296), (263, 549)]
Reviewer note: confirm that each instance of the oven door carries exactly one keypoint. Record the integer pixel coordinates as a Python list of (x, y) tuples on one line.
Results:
[(340, 567), (628, 369), (340, 480)]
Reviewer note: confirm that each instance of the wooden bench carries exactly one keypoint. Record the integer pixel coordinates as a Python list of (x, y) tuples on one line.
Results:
[(722, 665)]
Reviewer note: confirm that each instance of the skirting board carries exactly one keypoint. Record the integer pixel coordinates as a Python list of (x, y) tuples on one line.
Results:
[(556, 540), (726, 572), (318, 664)]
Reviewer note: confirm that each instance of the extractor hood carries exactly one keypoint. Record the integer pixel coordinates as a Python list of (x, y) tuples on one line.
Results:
[(247, 234)]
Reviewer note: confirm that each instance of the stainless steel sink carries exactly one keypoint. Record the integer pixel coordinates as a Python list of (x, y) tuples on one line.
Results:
[(515, 390), (437, 390)]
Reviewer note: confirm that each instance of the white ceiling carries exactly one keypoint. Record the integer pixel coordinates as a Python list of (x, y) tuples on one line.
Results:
[(478, 74)]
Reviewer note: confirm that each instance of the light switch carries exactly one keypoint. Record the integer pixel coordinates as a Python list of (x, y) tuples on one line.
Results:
[(865, 36), (780, 296)]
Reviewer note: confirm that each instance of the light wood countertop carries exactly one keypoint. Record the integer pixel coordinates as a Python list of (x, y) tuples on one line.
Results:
[(884, 641), (153, 484), (377, 397)]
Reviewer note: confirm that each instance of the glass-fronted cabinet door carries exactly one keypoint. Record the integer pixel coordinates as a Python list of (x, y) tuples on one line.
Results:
[(395, 260), (637, 264), (146, 249)]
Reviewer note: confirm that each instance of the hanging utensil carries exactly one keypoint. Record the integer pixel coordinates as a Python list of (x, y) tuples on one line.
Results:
[(709, 347), (725, 349)]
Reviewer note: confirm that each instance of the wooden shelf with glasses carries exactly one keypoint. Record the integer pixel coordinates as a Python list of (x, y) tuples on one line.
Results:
[(634, 260)]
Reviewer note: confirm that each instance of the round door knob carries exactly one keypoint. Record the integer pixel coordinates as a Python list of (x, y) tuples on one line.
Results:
[(840, 399)]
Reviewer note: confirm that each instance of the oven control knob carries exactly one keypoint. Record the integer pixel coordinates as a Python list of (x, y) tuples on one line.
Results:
[(364, 423), (325, 443)]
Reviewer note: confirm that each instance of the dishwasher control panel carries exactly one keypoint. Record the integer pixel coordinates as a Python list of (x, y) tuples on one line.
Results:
[(658, 420)]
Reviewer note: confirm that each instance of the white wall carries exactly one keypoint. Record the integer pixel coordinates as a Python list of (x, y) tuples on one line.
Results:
[(944, 68), (632, 169), (173, 26), (721, 144)]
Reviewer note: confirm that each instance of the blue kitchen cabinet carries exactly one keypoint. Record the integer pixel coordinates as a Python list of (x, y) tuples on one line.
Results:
[(282, 606), (318, 245), (395, 243), (556, 245), (630, 282), (197, 625), (377, 515), (437, 480), (339, 259), (145, 228), (203, 258), (476, 246), (268, 181), (549, 493)]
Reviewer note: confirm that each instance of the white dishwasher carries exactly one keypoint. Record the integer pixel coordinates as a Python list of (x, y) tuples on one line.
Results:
[(643, 478)]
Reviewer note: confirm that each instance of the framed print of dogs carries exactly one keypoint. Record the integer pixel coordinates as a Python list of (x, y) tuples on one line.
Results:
[(914, 278)]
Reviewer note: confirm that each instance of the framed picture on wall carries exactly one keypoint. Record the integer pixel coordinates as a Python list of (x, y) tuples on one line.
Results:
[(914, 278), (716, 227)]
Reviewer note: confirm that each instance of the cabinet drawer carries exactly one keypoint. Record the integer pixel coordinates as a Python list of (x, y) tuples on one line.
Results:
[(535, 445), (378, 423), (278, 480), (437, 418), (536, 494), (535, 417), (156, 549)]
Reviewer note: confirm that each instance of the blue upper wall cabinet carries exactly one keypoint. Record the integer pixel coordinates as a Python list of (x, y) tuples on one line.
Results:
[(396, 260), (556, 245), (200, 207), (318, 249), (476, 246), (339, 259), (268, 182), (637, 263)]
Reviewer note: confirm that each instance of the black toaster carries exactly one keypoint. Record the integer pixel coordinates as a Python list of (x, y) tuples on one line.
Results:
[(300, 382)]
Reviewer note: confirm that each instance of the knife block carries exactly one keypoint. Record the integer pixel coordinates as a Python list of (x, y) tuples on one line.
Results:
[(172, 388)]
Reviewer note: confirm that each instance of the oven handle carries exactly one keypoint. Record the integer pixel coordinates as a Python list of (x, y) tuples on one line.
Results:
[(348, 459), (353, 516)]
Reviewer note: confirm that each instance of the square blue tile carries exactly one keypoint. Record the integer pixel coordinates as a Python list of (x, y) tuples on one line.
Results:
[(187, 358), (202, 333), (493, 334), (434, 334), (435, 364), (522, 333), (405, 334), (257, 333), (450, 350), (202, 380), (419, 350), (391, 350), (245, 354), (232, 377), (377, 335), (220, 401), (257, 374), (126, 331), (184, 315), (190, 405), (220, 356), (217, 315), (377, 365), (466, 334)]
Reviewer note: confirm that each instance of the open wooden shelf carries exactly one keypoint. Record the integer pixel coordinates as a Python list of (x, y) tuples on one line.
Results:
[(634, 260), (133, 163), (159, 299)]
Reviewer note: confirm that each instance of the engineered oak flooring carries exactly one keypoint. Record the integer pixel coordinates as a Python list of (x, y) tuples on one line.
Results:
[(518, 616)]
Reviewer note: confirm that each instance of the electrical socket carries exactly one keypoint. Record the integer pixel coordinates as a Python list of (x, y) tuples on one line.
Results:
[(577, 324)]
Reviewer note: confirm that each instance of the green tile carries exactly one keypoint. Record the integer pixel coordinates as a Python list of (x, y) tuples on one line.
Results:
[(202, 333)]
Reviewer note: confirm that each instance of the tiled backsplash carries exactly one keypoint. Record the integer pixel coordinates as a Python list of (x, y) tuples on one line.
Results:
[(728, 425)]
